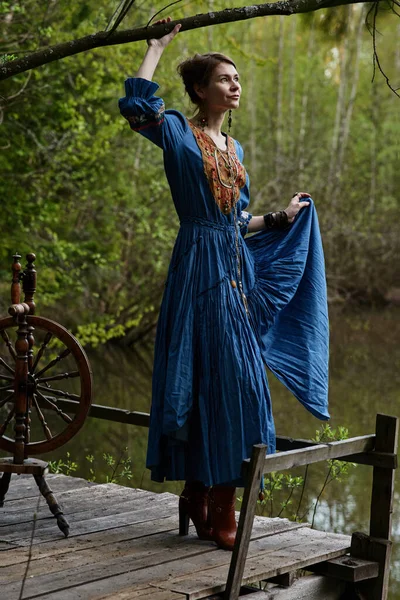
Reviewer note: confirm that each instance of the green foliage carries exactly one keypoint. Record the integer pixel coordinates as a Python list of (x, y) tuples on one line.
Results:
[(108, 470), (279, 487), (90, 198), (66, 467)]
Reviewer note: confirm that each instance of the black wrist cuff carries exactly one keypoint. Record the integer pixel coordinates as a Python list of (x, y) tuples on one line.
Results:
[(276, 220)]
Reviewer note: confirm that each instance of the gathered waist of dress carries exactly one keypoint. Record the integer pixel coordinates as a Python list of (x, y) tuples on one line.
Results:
[(206, 223)]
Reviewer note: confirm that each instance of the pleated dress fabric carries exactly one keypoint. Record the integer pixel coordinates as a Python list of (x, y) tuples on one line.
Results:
[(210, 400)]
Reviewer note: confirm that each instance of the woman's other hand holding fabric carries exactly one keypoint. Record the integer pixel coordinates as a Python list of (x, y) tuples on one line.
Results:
[(296, 204)]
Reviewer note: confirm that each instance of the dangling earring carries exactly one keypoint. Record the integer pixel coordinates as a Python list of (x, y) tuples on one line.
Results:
[(229, 120), (203, 122)]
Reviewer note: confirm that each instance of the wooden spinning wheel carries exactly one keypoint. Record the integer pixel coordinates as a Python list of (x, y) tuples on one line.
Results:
[(40, 363), (44, 385)]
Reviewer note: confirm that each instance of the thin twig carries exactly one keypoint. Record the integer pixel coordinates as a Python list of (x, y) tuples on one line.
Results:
[(376, 60), (162, 10), (285, 504), (30, 548), (320, 494), (119, 14), (302, 492)]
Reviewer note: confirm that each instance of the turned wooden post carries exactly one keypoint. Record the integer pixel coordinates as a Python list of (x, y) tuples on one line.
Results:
[(29, 287), (378, 546), (20, 388), (23, 350), (15, 284)]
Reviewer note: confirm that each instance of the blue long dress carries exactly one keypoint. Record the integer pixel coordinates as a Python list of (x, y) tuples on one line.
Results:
[(210, 399)]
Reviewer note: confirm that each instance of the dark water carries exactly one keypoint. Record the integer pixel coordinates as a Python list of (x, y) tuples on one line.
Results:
[(365, 380)]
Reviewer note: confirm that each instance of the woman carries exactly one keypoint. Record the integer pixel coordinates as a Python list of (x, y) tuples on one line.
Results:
[(230, 304)]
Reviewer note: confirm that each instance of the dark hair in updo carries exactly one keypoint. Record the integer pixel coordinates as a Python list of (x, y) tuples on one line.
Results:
[(198, 69)]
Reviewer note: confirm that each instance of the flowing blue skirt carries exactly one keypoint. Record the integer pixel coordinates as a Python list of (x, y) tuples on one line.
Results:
[(211, 401)]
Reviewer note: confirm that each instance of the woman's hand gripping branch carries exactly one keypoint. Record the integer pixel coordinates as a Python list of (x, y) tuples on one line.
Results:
[(154, 51)]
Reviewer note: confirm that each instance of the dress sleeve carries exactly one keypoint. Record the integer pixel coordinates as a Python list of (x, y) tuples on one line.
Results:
[(244, 216), (243, 222), (146, 114)]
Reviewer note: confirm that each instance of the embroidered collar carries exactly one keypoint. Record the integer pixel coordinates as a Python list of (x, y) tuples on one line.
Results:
[(225, 173)]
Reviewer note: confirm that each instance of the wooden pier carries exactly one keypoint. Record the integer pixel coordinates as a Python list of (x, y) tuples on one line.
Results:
[(124, 544)]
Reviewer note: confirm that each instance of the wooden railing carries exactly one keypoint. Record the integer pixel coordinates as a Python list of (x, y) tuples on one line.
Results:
[(378, 450)]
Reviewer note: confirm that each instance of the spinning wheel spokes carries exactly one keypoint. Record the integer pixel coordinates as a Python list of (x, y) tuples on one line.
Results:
[(49, 423), (9, 345), (48, 400), (59, 377), (7, 421), (42, 348), (6, 377), (46, 429), (52, 363), (60, 393), (6, 399), (6, 366), (5, 387)]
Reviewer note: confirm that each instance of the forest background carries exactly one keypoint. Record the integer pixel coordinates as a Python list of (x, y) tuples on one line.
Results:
[(89, 197)]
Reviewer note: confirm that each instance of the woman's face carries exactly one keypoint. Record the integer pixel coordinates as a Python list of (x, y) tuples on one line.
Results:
[(223, 90)]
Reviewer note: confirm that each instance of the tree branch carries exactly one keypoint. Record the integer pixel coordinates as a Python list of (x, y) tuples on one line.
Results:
[(105, 38)]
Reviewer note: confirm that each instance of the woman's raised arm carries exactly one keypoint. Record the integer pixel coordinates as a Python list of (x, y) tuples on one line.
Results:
[(155, 50)]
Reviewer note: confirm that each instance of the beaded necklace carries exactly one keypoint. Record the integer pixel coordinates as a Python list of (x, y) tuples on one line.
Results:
[(226, 176), (224, 172)]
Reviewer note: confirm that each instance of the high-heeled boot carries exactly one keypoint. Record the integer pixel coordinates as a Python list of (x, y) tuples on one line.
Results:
[(193, 505), (222, 515)]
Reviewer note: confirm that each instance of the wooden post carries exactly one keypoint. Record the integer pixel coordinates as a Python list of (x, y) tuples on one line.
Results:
[(245, 526), (20, 389), (378, 545), (29, 288), (387, 429)]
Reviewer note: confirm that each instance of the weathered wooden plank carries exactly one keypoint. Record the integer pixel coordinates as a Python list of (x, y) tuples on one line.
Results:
[(111, 501), (127, 569), (309, 455), (20, 511), (96, 491), (363, 546), (117, 557), (148, 593), (386, 460), (24, 486), (147, 545), (6, 546), (267, 558), (159, 553), (47, 530), (347, 568), (262, 527), (312, 587), (54, 548)]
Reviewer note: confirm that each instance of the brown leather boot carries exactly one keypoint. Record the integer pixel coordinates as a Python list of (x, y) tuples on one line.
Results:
[(222, 515), (193, 504)]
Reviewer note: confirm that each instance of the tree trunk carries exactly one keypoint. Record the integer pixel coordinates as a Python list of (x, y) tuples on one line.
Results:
[(279, 108), (340, 105), (292, 94), (301, 156), (346, 120)]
